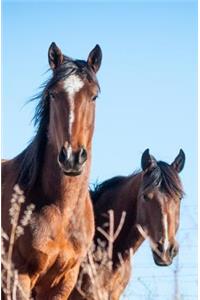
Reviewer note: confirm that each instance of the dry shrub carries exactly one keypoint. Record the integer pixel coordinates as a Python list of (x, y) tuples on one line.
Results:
[(97, 269), (97, 279), (10, 283)]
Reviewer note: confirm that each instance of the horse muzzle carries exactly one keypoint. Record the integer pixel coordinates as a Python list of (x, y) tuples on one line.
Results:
[(165, 258), (72, 162), (161, 261)]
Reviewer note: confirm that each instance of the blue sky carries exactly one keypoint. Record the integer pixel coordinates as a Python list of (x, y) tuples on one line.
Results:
[(148, 99)]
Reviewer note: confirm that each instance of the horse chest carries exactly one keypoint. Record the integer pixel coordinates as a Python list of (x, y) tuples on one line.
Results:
[(50, 236), (60, 256), (57, 246)]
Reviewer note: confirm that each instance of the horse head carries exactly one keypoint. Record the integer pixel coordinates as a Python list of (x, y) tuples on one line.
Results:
[(159, 205), (71, 94)]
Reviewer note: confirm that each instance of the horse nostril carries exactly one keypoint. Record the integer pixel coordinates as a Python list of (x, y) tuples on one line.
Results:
[(62, 155), (173, 251), (160, 247), (82, 157)]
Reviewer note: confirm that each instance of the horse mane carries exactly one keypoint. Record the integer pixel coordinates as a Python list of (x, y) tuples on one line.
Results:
[(99, 189), (31, 158), (166, 178)]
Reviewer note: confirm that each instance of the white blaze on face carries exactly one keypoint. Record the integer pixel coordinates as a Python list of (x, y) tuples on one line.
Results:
[(166, 237), (72, 85)]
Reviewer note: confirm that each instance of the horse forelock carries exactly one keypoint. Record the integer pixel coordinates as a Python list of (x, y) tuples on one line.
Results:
[(170, 180), (164, 177), (152, 179)]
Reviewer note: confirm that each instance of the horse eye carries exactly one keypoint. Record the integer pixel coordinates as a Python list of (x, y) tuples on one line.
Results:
[(145, 198), (51, 95), (94, 97)]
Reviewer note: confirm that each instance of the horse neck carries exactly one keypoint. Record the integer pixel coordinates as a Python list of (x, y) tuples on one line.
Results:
[(129, 237), (66, 192)]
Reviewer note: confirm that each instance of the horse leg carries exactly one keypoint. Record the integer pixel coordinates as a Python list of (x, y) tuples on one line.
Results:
[(64, 288), (24, 287), (29, 272), (68, 283)]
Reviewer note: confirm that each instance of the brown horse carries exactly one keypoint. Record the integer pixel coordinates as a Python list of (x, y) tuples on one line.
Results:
[(151, 201), (53, 172)]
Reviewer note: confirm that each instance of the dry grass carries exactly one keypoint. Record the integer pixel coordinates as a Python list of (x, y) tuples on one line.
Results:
[(10, 283), (97, 268)]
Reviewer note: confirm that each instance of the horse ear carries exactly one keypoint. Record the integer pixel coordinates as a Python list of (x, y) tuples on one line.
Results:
[(94, 58), (147, 160), (179, 162), (55, 56)]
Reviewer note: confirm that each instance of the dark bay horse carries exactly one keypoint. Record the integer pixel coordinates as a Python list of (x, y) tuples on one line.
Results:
[(151, 200), (53, 172)]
